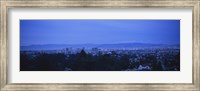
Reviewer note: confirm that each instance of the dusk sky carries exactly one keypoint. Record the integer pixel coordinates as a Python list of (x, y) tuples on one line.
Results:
[(38, 32)]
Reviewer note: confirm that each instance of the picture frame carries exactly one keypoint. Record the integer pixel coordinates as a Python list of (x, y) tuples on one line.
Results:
[(4, 44)]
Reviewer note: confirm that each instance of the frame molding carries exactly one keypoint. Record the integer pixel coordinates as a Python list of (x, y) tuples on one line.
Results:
[(5, 5)]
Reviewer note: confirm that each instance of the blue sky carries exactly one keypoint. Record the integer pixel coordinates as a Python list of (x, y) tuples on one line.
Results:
[(33, 32)]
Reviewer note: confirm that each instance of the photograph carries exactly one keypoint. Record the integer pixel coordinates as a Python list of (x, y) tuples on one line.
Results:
[(99, 45)]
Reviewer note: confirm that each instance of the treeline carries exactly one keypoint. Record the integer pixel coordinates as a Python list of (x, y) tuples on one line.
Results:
[(88, 62)]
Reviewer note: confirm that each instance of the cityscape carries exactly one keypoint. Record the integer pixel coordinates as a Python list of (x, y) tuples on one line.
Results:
[(154, 49)]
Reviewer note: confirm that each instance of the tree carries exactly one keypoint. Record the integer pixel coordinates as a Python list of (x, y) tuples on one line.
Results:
[(157, 66), (51, 62), (24, 62), (83, 53)]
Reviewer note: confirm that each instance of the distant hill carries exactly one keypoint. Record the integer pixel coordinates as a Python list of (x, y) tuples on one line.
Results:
[(108, 46)]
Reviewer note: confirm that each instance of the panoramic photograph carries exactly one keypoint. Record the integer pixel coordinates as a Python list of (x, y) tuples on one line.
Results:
[(99, 45)]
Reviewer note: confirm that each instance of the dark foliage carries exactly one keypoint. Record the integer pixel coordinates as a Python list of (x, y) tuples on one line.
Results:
[(83, 61)]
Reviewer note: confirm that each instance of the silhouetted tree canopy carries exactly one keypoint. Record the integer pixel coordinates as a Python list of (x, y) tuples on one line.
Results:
[(84, 61)]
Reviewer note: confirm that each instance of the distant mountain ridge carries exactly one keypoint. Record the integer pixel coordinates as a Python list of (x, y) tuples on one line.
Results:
[(109, 46)]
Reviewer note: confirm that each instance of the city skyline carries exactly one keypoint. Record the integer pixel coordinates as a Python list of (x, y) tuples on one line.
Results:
[(41, 32)]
